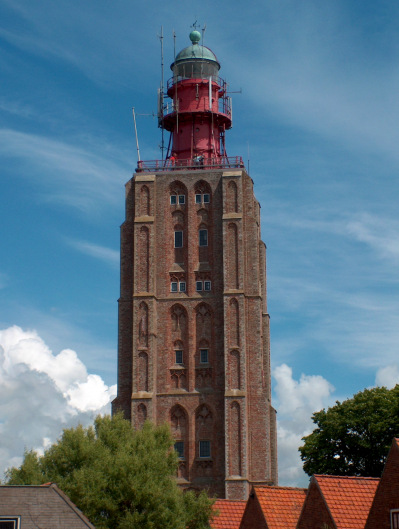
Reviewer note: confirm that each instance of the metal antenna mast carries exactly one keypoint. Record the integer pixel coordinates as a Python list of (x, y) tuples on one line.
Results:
[(160, 99), (137, 139)]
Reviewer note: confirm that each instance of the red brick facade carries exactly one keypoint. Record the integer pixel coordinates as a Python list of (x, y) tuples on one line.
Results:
[(198, 359), (387, 495)]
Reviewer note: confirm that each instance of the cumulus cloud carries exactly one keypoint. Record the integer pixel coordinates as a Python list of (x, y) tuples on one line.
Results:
[(295, 403), (41, 393), (387, 376)]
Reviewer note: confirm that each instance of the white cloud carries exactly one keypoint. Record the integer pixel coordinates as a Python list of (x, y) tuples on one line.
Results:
[(295, 402), (109, 256), (387, 376), (42, 393), (382, 235), (83, 178)]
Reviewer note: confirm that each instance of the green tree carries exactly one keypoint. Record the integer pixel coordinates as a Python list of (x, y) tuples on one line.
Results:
[(120, 478), (354, 436)]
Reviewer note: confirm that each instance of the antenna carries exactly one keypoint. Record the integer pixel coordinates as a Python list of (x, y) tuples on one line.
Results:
[(248, 155), (203, 33), (137, 138), (160, 98)]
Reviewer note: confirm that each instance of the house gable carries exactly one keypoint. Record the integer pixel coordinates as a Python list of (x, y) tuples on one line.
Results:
[(387, 495), (44, 506), (315, 513)]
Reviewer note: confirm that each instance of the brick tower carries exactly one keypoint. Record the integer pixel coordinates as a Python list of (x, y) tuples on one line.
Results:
[(194, 346)]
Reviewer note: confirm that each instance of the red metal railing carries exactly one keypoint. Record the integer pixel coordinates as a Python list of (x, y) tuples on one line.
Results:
[(225, 162)]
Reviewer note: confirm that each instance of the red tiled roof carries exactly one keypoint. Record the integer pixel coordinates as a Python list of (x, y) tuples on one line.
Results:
[(230, 514), (348, 498), (281, 506)]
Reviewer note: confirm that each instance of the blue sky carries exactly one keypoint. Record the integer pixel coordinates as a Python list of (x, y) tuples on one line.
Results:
[(318, 115)]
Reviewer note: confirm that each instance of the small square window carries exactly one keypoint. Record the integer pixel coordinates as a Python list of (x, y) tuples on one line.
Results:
[(198, 199), (204, 358), (394, 518), (179, 447), (173, 199), (198, 286), (178, 239), (182, 199), (9, 522), (182, 286), (178, 356), (173, 286), (203, 237), (207, 286), (205, 449), (207, 198)]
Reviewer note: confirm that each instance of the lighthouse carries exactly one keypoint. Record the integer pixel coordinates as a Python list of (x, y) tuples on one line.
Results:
[(194, 346), (201, 108)]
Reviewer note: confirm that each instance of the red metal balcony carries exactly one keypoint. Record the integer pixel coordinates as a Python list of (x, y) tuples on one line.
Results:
[(196, 163)]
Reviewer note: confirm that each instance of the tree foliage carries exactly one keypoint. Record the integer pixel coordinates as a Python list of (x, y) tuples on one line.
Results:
[(120, 478), (354, 436)]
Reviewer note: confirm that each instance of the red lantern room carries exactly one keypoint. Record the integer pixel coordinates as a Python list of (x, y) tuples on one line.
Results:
[(201, 110)]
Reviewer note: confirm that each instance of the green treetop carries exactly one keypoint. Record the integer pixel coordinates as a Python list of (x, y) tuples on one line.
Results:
[(354, 436), (118, 477)]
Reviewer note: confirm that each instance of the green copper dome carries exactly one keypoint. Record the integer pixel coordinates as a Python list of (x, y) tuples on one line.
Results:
[(195, 52)]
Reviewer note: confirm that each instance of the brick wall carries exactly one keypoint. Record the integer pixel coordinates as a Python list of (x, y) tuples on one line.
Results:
[(387, 494), (315, 514), (226, 400)]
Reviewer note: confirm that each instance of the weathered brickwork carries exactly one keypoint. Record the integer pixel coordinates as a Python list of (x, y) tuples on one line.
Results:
[(315, 513), (194, 345), (386, 498)]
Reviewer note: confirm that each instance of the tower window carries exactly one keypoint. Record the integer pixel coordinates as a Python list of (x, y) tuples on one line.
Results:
[(182, 286), (198, 286), (203, 237), (207, 286), (204, 356), (202, 198), (178, 239), (173, 286), (177, 199), (205, 449), (178, 356), (12, 522), (179, 447)]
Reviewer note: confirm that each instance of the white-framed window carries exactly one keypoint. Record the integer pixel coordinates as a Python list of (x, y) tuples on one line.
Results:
[(177, 199), (178, 356), (207, 286), (394, 518), (202, 198), (178, 239), (179, 447), (173, 286), (10, 522), (198, 286), (204, 356), (205, 449), (182, 286), (203, 237)]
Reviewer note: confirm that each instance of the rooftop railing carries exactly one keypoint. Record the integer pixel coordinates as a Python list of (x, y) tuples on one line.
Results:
[(196, 163)]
